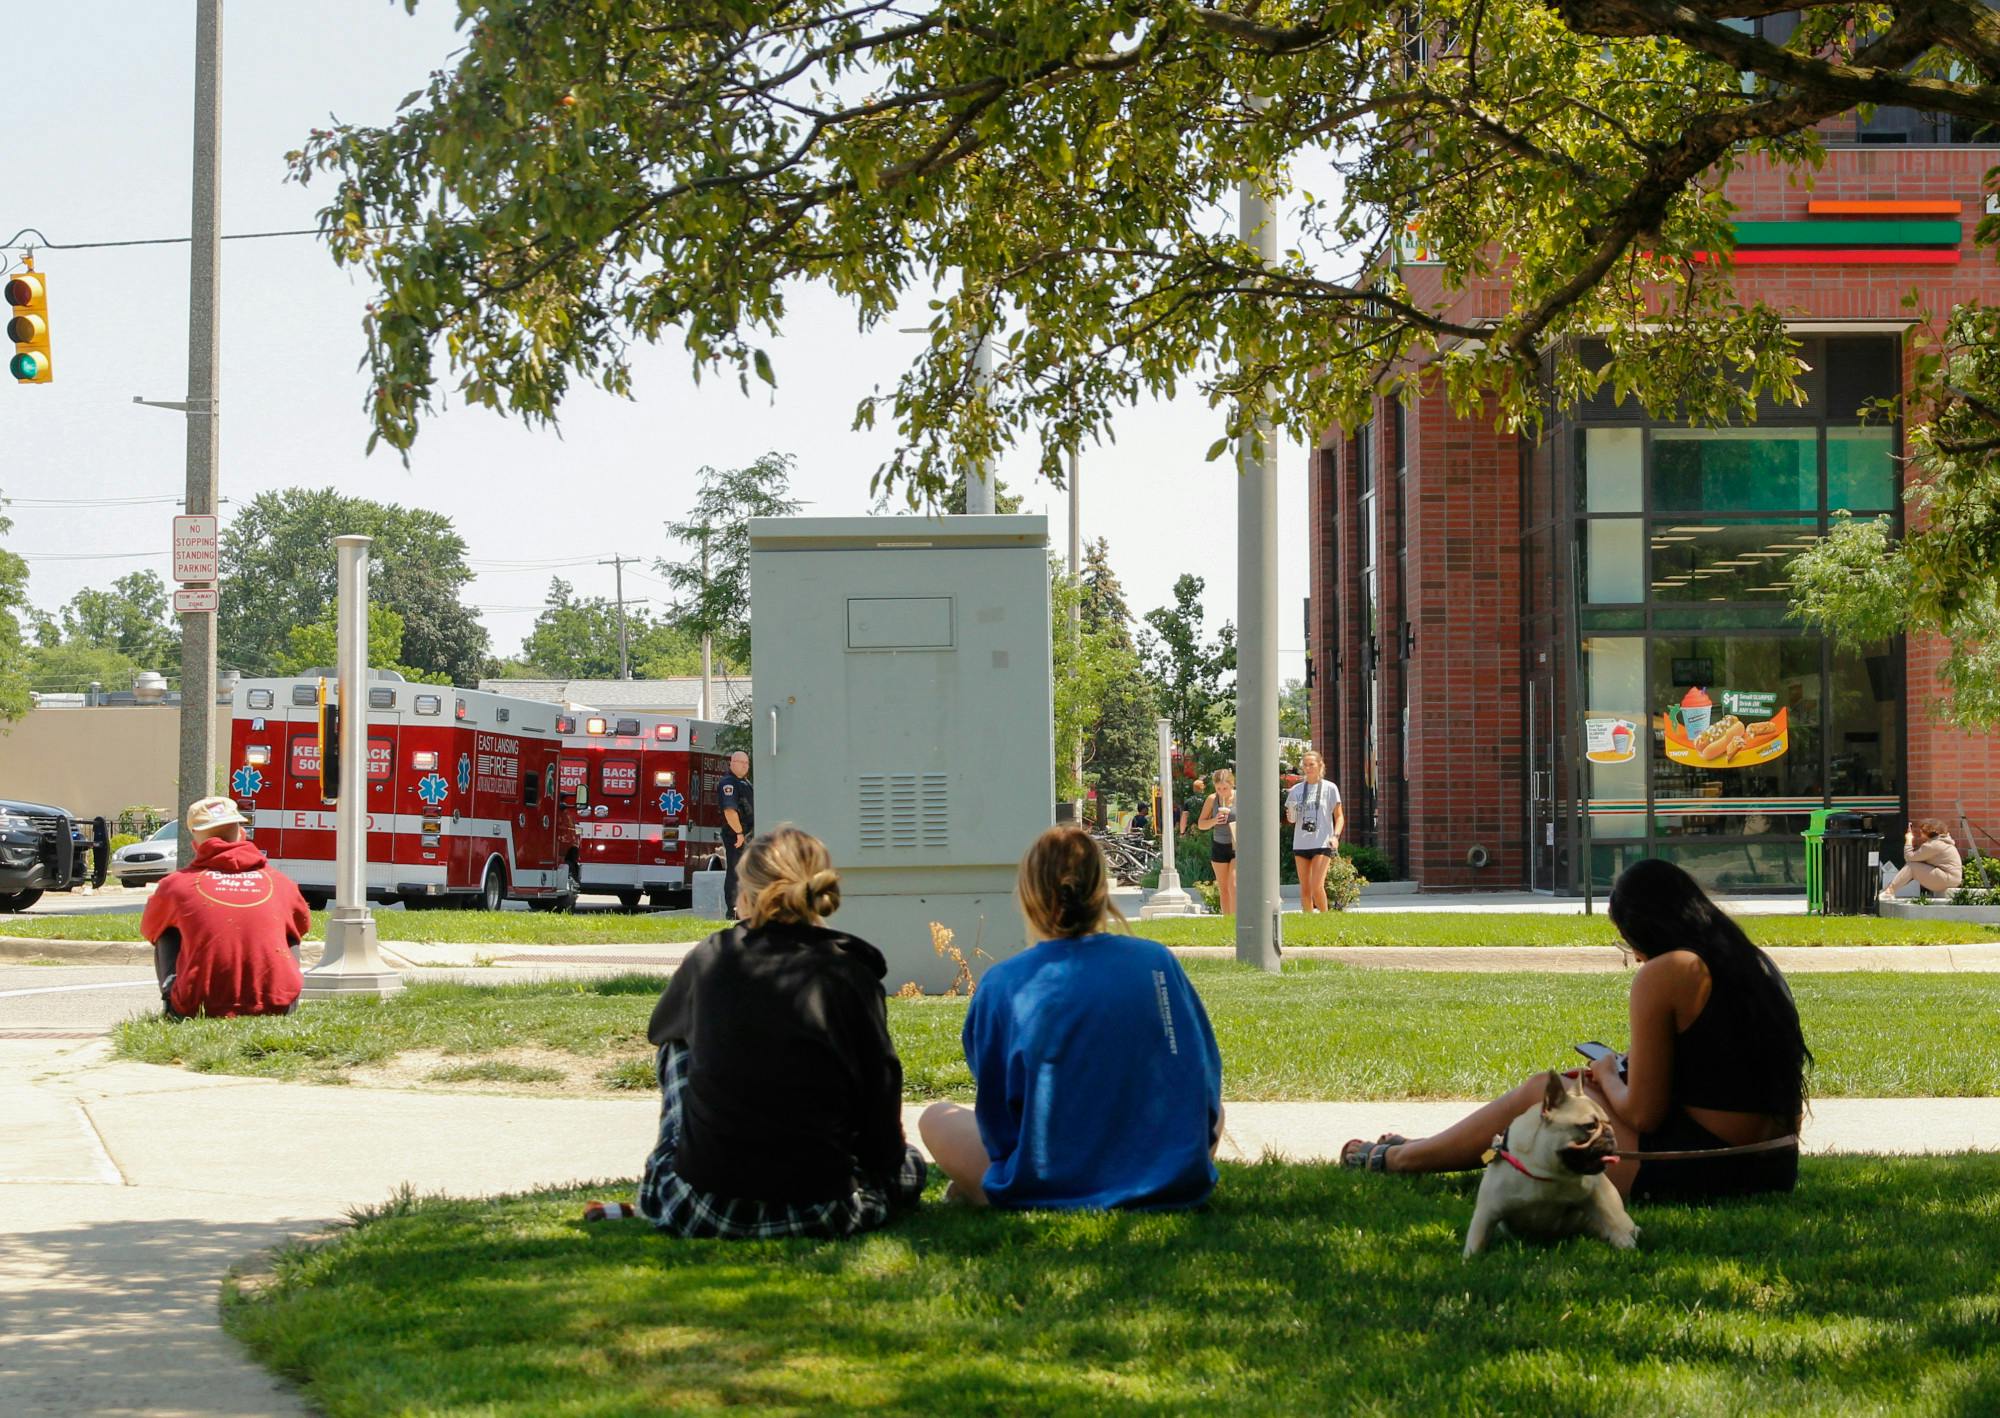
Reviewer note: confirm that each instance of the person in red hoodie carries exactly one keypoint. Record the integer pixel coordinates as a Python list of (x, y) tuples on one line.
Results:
[(225, 928)]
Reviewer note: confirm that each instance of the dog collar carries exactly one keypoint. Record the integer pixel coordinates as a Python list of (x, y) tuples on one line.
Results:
[(1498, 1153)]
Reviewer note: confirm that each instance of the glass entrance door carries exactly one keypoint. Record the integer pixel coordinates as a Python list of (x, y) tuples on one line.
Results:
[(1541, 785)]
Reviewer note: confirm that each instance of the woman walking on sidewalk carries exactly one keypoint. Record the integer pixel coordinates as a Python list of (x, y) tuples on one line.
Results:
[(1313, 808), (1218, 815)]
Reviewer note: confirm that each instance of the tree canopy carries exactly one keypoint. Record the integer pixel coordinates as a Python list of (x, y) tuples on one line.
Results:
[(1195, 676), (279, 572), (576, 637), (710, 570), (130, 617), (1478, 184)]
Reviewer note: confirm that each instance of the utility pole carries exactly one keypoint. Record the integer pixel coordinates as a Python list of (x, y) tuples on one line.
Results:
[(1258, 930), (707, 644), (617, 565), (197, 766), (1076, 603)]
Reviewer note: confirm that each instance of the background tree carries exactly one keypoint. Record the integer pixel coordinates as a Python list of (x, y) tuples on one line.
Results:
[(129, 618), (278, 572), (1121, 755), (1295, 710), (717, 603), (1193, 676), (1060, 169), (71, 668), (314, 647), (577, 638)]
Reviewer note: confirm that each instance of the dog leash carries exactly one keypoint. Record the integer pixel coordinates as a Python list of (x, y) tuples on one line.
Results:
[(1771, 1144)]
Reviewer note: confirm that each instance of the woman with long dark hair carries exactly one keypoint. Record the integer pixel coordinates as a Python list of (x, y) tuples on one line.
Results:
[(1716, 1066)]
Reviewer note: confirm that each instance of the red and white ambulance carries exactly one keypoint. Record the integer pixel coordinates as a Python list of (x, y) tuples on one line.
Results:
[(647, 814), (463, 801)]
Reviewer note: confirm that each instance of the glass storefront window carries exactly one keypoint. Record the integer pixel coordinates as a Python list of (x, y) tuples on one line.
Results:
[(1726, 558), (1614, 569), (1740, 866), (1736, 734), (1612, 465), (1614, 721), (1735, 469), (1861, 473), (1864, 734)]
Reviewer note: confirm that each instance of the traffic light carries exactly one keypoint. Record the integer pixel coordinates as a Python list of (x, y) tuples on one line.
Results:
[(329, 746), (28, 326)]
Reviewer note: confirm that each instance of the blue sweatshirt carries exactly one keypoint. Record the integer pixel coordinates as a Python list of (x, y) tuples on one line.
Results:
[(1099, 1083)]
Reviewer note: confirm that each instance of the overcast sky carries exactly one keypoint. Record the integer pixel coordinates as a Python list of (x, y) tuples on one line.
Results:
[(99, 150)]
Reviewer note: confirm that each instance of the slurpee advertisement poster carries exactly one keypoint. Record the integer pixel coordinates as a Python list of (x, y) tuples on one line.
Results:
[(1727, 729)]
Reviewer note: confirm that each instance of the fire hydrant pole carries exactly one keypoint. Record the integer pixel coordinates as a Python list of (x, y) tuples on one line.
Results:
[(352, 964)]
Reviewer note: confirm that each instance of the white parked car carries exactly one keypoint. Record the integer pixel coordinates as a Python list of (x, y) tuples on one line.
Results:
[(140, 862)]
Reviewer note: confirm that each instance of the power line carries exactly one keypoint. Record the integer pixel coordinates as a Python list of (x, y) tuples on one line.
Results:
[(89, 555), (47, 245)]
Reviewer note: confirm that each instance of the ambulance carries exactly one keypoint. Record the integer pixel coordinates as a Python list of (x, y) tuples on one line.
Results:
[(463, 802), (646, 788)]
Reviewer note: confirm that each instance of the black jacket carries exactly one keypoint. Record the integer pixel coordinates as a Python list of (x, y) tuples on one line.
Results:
[(793, 1084)]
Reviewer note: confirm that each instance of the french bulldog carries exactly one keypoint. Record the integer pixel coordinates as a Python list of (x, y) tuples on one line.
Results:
[(1545, 1175)]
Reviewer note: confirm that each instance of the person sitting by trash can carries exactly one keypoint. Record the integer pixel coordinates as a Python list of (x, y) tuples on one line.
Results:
[(226, 927), (1930, 859)]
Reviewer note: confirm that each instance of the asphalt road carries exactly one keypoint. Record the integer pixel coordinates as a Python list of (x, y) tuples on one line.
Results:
[(88, 999)]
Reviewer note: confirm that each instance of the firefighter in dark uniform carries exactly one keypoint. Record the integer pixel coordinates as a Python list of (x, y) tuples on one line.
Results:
[(739, 821)]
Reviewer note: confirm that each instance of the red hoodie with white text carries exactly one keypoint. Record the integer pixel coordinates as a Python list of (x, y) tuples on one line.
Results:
[(238, 920)]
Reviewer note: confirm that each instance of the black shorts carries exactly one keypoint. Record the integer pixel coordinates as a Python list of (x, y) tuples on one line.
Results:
[(1312, 852), (1222, 853)]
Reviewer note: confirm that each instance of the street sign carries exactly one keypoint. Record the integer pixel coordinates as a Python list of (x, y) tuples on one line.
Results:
[(196, 548), (202, 599)]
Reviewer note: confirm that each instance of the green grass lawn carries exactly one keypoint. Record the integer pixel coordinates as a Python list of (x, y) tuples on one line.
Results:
[(1527, 928), (1318, 1031), (1298, 1290), (1404, 928), (424, 927)]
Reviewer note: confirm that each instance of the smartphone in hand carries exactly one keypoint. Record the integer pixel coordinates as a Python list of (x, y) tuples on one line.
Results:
[(1595, 1051)]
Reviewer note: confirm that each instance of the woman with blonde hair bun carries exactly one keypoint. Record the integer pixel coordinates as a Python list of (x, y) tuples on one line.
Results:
[(1098, 1083), (781, 1094)]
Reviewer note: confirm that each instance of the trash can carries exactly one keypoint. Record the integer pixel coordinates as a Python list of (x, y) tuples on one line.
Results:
[(1815, 835), (1851, 879)]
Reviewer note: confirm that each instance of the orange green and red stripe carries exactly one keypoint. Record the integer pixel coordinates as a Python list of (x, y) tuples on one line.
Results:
[(1855, 233)]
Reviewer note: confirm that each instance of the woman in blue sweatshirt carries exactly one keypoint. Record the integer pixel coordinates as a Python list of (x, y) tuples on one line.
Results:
[(1099, 1083)]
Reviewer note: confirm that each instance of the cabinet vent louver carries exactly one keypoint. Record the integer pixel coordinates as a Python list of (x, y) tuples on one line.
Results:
[(904, 811)]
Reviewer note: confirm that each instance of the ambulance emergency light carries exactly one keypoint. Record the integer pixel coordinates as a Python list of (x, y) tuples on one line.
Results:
[(429, 704), (424, 762), (257, 754), (593, 726), (669, 732), (664, 778)]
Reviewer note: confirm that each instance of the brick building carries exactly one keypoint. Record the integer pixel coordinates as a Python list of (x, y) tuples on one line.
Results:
[(1526, 657)]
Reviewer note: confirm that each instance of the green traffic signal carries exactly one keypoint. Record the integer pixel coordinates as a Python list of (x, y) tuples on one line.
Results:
[(25, 366)]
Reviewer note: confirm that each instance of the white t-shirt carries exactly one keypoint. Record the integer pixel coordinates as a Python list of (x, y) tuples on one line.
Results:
[(1310, 806)]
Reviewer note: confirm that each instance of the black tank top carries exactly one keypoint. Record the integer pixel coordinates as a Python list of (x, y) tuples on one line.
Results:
[(1731, 1060)]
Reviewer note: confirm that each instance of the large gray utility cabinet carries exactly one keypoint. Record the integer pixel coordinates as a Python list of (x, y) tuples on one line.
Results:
[(903, 715)]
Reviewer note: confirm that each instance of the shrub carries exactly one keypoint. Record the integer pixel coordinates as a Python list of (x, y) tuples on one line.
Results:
[(1372, 862), (1982, 873), (121, 840), (1191, 861), (140, 821), (1343, 883)]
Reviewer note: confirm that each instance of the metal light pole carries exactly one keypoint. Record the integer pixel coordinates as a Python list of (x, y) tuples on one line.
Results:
[(1257, 901), (1076, 603), (979, 475), (707, 654), (352, 963), (197, 766), (1169, 900)]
